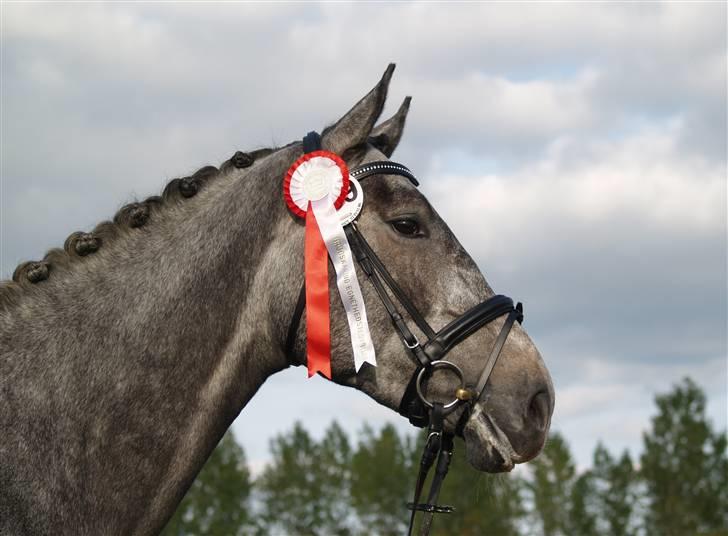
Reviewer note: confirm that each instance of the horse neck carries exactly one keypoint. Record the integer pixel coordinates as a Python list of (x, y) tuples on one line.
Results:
[(138, 361)]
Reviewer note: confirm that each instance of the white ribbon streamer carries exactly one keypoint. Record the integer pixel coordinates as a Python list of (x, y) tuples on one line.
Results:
[(340, 253)]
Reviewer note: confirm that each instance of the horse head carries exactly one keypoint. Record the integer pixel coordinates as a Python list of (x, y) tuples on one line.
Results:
[(506, 423)]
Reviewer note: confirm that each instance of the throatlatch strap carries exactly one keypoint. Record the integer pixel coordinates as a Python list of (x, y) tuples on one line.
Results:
[(295, 321)]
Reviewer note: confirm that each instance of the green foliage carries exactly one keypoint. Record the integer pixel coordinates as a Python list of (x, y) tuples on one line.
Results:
[(616, 496), (584, 509), (217, 502), (305, 490), (684, 467), (553, 474), (326, 487), (382, 477), (384, 470)]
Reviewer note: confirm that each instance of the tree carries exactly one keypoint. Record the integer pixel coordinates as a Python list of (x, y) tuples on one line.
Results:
[(553, 473), (305, 489), (382, 477), (583, 508), (684, 467), (616, 494), (217, 502)]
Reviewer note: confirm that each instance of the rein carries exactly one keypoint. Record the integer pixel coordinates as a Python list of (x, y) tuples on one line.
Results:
[(428, 355)]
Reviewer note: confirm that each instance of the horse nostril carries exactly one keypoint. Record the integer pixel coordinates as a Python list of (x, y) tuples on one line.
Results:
[(539, 410)]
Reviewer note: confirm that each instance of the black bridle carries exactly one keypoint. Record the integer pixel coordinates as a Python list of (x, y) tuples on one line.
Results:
[(428, 355)]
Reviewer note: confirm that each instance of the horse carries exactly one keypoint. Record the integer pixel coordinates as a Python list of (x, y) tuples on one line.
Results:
[(127, 354)]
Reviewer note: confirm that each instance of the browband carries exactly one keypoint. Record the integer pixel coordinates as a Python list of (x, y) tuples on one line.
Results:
[(382, 167)]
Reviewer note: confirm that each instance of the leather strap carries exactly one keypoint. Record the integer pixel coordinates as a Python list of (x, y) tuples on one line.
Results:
[(515, 314), (382, 167), (295, 321), (368, 253), (443, 464), (411, 407), (429, 453), (466, 324)]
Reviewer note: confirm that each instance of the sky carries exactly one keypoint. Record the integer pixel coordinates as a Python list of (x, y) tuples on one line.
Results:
[(590, 139)]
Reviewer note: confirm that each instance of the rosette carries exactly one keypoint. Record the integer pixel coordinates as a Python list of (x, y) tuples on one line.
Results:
[(314, 188)]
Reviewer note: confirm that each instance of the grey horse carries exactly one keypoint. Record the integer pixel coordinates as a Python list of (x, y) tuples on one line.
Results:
[(125, 355)]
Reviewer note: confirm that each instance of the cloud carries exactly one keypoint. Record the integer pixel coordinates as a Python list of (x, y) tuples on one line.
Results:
[(521, 76), (484, 112), (609, 385), (613, 401), (595, 182), (611, 243)]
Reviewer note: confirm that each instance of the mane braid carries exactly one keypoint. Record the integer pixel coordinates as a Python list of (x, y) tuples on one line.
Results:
[(80, 245)]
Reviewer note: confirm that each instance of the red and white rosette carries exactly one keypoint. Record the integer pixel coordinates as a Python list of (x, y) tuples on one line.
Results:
[(314, 188)]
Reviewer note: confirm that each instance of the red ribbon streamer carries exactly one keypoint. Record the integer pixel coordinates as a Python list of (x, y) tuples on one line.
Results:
[(318, 336)]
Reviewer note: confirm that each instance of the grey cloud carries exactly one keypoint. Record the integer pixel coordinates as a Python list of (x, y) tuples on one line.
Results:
[(152, 68)]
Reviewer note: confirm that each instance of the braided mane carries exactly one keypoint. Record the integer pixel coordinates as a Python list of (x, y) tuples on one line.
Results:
[(80, 245)]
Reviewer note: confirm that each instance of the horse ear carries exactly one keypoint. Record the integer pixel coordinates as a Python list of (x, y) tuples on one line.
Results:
[(386, 136), (354, 128)]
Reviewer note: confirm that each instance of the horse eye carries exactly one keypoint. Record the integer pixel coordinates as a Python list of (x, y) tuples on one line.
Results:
[(406, 227)]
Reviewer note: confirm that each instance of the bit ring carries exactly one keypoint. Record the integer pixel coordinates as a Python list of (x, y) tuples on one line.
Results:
[(442, 364)]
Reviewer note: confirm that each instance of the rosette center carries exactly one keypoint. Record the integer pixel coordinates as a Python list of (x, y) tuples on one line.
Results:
[(317, 183)]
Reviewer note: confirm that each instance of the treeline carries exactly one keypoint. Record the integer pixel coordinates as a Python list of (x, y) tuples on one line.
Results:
[(677, 487)]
